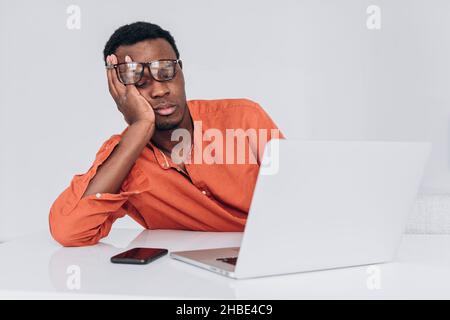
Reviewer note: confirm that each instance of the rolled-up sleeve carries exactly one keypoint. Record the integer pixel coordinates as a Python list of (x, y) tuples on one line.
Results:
[(78, 221)]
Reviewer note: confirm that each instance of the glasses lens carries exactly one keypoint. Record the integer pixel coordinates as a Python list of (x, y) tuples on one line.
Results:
[(163, 70), (130, 73)]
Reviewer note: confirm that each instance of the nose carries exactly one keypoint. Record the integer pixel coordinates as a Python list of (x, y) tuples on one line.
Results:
[(158, 89)]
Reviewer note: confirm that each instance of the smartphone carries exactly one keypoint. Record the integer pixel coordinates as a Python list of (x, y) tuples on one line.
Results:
[(139, 255)]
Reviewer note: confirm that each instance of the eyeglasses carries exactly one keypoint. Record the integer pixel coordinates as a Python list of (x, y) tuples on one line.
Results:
[(160, 70)]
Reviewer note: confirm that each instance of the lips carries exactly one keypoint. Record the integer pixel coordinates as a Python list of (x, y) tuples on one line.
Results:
[(165, 110)]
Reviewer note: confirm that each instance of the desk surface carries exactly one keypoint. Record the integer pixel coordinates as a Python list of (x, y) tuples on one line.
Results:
[(37, 267)]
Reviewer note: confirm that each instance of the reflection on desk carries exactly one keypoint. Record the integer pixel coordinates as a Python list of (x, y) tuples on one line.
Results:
[(35, 266)]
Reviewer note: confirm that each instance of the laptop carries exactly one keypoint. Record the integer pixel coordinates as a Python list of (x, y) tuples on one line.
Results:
[(321, 205)]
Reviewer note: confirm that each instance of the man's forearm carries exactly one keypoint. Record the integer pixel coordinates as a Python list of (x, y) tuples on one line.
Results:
[(114, 170)]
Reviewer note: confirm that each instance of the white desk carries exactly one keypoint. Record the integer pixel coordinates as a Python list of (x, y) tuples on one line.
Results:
[(36, 267)]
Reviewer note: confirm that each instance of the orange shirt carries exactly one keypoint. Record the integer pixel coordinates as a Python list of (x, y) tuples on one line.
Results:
[(158, 195)]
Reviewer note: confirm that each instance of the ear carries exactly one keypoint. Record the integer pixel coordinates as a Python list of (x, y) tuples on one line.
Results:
[(181, 64)]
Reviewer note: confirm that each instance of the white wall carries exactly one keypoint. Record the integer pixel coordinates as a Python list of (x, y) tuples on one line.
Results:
[(335, 80)]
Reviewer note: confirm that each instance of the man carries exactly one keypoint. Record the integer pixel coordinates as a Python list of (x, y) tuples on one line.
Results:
[(139, 174)]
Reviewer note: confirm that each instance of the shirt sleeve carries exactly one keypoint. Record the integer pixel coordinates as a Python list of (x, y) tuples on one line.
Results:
[(77, 221), (266, 128)]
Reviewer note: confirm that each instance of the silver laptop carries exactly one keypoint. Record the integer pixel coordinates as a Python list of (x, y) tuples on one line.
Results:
[(322, 205)]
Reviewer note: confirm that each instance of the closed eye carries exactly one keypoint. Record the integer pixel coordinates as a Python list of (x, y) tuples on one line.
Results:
[(141, 85)]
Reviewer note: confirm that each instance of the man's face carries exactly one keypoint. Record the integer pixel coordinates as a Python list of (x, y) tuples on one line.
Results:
[(158, 93)]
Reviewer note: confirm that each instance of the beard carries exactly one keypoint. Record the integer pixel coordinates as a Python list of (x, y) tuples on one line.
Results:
[(167, 125)]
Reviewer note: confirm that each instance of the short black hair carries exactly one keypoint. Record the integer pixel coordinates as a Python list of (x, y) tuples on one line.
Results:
[(135, 32)]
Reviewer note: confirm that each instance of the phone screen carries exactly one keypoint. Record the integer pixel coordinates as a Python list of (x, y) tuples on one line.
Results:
[(139, 255)]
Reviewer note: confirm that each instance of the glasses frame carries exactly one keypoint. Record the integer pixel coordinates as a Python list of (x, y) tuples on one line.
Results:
[(144, 65)]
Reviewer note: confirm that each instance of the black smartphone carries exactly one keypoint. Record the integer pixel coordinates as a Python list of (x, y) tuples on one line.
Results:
[(139, 255)]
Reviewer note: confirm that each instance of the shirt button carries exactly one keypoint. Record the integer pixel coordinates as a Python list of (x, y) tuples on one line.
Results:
[(98, 195)]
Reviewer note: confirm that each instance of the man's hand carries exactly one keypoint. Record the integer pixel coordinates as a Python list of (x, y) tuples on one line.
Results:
[(139, 115), (129, 101)]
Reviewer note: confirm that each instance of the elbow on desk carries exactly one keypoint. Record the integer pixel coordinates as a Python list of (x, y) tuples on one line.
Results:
[(63, 232), (68, 239)]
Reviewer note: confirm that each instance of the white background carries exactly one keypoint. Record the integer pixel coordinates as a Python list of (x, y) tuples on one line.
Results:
[(313, 65)]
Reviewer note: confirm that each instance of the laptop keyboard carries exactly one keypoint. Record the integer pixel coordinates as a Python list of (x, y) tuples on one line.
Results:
[(230, 260)]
